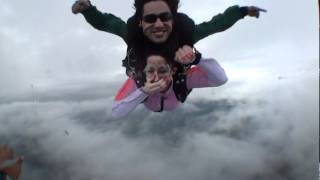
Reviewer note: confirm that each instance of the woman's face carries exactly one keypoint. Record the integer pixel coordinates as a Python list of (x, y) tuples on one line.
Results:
[(157, 68)]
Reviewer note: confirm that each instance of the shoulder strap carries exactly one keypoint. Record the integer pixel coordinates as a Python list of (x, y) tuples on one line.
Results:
[(180, 87)]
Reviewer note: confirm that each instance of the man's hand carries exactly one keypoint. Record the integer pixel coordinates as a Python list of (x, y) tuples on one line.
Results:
[(185, 55), (6, 153), (255, 11), (80, 5), (8, 164), (154, 87), (14, 170)]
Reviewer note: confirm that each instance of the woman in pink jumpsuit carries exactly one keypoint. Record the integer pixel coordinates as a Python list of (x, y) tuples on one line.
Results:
[(157, 94)]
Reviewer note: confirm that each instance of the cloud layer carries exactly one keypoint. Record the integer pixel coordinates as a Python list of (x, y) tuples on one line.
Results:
[(266, 137), (59, 75)]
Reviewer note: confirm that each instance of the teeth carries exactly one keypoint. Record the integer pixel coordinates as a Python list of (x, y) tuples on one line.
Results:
[(159, 33)]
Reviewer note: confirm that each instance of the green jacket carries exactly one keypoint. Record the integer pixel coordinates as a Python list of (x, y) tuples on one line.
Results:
[(109, 23)]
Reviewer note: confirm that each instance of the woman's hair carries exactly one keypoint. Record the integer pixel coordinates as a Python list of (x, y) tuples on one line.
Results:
[(138, 5), (158, 52)]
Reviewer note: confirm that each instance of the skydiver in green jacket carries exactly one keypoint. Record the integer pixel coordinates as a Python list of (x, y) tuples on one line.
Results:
[(156, 24), (156, 29), (110, 23)]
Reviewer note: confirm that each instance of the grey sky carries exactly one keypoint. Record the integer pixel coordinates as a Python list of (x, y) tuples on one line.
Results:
[(51, 45), (58, 77)]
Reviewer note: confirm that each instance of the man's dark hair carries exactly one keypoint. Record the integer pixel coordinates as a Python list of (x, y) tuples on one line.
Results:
[(138, 44), (181, 34), (138, 5)]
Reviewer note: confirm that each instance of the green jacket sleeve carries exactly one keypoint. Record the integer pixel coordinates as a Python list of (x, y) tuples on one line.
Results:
[(106, 22), (219, 22)]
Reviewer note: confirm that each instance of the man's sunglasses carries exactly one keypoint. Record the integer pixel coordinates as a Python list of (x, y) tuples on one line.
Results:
[(152, 18)]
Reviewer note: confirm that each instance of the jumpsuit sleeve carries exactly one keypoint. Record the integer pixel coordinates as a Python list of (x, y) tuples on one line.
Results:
[(220, 22), (127, 99), (106, 22), (208, 73)]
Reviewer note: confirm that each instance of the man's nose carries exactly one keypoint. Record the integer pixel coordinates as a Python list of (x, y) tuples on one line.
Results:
[(158, 23)]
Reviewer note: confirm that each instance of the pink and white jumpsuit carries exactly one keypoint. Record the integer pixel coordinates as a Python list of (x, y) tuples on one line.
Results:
[(207, 73)]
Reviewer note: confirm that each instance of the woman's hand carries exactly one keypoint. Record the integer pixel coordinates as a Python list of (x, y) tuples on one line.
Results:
[(154, 87)]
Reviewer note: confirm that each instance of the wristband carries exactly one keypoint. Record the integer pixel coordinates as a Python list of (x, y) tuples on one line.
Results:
[(244, 10), (197, 57)]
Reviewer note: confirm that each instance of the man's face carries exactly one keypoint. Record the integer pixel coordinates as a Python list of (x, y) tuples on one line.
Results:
[(156, 21)]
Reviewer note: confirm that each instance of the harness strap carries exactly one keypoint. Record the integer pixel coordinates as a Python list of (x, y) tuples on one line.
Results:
[(161, 104), (180, 87)]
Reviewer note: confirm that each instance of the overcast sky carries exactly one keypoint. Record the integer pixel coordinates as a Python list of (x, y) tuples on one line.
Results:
[(58, 77)]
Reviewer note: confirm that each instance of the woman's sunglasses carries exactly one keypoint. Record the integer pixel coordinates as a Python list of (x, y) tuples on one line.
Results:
[(152, 18)]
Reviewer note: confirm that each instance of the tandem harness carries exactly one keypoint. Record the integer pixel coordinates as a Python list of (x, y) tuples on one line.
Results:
[(179, 79)]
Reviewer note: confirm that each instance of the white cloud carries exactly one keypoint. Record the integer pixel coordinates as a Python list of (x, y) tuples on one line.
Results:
[(262, 124)]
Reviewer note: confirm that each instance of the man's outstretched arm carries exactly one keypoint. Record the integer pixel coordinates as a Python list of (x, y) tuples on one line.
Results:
[(102, 21), (225, 20)]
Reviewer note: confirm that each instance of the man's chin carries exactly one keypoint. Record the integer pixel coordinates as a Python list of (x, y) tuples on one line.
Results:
[(159, 40)]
